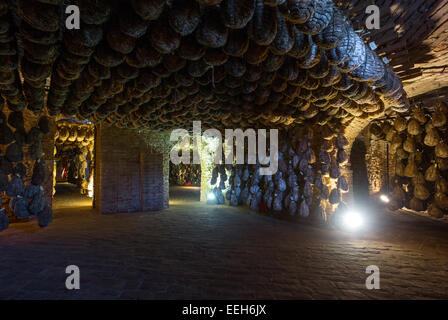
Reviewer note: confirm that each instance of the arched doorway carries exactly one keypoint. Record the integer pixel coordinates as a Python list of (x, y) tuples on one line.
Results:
[(359, 169), (185, 182), (73, 165)]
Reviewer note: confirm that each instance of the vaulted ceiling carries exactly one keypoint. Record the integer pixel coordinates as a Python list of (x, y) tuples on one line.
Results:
[(161, 64), (414, 37)]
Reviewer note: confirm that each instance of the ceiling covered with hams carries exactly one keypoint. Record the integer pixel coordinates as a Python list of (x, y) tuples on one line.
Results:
[(161, 64)]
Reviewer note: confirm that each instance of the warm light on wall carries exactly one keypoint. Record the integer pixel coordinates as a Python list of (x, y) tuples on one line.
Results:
[(90, 187)]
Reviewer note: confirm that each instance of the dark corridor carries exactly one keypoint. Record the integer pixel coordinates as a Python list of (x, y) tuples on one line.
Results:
[(68, 196), (360, 177)]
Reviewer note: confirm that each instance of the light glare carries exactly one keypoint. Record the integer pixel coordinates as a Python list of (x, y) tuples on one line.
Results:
[(90, 187), (384, 198), (353, 220), (210, 196)]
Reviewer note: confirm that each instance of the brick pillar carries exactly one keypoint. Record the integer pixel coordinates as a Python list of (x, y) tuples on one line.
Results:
[(166, 180), (97, 170), (129, 176), (48, 156)]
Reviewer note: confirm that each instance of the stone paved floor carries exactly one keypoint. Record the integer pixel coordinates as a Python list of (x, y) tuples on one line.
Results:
[(68, 196), (195, 251)]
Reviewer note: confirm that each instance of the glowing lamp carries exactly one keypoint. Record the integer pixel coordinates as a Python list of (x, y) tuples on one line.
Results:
[(352, 220), (211, 196), (90, 188), (384, 198)]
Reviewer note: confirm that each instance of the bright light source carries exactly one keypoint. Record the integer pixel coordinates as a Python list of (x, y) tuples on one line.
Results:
[(211, 196), (352, 220), (90, 187), (384, 198)]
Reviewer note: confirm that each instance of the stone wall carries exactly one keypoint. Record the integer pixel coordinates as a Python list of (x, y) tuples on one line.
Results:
[(378, 170), (206, 175), (48, 156), (129, 176)]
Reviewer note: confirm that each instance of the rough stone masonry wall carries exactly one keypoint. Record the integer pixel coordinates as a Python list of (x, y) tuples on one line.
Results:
[(129, 176), (48, 156), (377, 167)]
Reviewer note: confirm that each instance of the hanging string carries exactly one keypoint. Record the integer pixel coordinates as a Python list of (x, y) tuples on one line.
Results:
[(213, 77)]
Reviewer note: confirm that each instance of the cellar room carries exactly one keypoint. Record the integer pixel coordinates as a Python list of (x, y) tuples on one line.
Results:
[(223, 149), (73, 164)]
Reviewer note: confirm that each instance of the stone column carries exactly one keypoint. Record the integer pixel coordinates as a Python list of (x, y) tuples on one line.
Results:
[(207, 164), (48, 156), (206, 176)]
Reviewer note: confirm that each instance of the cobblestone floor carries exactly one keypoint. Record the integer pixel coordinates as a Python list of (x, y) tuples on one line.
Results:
[(195, 251)]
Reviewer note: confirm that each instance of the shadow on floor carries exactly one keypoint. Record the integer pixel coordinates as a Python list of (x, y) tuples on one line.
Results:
[(68, 196), (183, 194), (197, 251)]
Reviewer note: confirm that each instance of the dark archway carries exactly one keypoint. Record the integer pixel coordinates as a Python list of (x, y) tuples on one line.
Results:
[(74, 163), (359, 168), (185, 182)]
